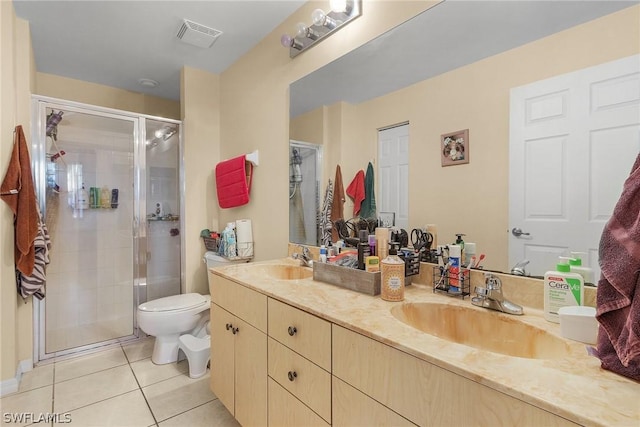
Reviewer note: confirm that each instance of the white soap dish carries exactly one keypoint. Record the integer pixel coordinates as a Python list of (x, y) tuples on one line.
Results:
[(579, 323)]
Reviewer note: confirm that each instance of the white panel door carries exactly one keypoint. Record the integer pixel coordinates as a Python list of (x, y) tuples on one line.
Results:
[(573, 140), (393, 173)]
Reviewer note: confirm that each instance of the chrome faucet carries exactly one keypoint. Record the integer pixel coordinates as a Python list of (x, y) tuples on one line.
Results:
[(304, 256), (491, 296), (518, 269)]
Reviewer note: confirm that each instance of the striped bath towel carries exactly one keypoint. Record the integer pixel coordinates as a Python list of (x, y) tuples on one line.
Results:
[(34, 284)]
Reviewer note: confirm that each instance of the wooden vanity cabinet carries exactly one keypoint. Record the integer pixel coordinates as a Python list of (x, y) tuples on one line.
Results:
[(421, 392), (239, 350), (299, 348)]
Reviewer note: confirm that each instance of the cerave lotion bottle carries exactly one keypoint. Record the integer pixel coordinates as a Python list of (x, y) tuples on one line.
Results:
[(561, 289)]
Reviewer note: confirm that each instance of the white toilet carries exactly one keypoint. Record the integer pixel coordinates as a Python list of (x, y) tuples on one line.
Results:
[(170, 317)]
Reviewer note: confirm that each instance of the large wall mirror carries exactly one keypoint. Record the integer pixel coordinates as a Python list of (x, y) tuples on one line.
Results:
[(459, 66)]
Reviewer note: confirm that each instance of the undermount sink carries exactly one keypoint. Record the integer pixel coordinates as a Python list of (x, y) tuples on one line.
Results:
[(482, 329), (285, 272)]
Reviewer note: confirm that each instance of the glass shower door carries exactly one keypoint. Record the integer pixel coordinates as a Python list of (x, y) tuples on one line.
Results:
[(89, 207)]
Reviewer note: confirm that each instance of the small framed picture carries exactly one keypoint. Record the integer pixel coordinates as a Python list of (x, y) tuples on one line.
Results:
[(386, 219), (454, 148)]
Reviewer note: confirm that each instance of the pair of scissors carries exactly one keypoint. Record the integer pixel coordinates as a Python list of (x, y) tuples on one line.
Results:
[(421, 239)]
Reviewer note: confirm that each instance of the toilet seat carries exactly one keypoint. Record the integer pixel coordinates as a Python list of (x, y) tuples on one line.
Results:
[(174, 303)]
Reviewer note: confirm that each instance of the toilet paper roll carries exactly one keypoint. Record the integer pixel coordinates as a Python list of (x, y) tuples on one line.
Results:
[(244, 238)]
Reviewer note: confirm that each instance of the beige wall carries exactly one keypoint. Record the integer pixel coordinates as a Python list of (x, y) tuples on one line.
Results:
[(17, 73), (254, 105), (201, 118), (105, 96), (474, 97)]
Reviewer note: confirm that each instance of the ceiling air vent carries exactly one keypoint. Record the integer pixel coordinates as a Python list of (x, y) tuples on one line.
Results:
[(197, 34)]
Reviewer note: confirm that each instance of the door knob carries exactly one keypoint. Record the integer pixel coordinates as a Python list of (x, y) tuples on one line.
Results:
[(292, 330), (228, 326), (235, 330), (518, 232), (292, 375)]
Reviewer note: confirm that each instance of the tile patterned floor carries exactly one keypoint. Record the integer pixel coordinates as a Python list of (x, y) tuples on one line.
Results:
[(118, 387)]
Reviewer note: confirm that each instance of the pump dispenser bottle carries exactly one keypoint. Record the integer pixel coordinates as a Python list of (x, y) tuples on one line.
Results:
[(576, 266), (561, 288), (392, 276)]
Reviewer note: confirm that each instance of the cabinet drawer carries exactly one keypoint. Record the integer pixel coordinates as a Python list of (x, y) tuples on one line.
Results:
[(311, 384), (245, 303), (353, 408), (287, 411), (302, 332)]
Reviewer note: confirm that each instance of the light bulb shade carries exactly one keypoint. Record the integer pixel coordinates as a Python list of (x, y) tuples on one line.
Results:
[(288, 41), (301, 29), (318, 17), (159, 133), (338, 6)]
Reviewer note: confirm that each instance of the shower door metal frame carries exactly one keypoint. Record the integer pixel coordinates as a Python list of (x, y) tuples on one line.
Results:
[(38, 160), (318, 180)]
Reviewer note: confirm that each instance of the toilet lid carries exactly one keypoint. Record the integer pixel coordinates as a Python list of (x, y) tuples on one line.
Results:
[(174, 302)]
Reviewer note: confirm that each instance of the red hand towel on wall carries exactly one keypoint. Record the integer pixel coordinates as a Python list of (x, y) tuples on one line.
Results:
[(18, 192), (355, 190), (233, 182)]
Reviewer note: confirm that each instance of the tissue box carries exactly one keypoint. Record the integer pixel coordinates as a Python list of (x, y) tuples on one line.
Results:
[(579, 323)]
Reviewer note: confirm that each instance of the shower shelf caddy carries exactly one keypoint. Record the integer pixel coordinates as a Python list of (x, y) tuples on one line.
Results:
[(442, 282)]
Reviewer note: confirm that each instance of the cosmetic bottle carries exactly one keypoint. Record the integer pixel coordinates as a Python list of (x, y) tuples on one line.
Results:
[(323, 253), (454, 268), (83, 199), (363, 248), (392, 276), (576, 266), (561, 289)]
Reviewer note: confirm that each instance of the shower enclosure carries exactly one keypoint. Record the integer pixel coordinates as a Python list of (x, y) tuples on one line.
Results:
[(108, 185), (305, 166)]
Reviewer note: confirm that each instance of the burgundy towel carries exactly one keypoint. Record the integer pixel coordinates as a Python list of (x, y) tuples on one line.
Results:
[(18, 192), (233, 182), (337, 207), (355, 190), (618, 299)]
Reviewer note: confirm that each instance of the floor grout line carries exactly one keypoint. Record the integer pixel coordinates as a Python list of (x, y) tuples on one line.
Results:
[(140, 388)]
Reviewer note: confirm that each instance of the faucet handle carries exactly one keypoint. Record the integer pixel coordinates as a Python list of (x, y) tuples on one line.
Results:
[(492, 282), (481, 291)]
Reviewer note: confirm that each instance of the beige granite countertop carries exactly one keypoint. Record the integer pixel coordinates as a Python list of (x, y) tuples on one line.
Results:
[(575, 387)]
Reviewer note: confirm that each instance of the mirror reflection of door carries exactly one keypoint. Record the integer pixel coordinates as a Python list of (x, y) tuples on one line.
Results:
[(573, 141), (305, 160), (393, 172)]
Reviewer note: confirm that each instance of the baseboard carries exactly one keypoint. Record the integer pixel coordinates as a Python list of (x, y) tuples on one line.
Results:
[(13, 384)]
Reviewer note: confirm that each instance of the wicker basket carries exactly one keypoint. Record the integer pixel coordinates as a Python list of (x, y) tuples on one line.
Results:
[(210, 243)]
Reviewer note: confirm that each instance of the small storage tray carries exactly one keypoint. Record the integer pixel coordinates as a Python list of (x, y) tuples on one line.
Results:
[(442, 282)]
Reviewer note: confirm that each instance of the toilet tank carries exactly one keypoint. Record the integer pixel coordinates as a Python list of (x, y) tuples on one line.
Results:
[(212, 259)]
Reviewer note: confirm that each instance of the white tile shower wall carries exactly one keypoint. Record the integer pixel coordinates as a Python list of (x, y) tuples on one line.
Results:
[(163, 267), (89, 290)]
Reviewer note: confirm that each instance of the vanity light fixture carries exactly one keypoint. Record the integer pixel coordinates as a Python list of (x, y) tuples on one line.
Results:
[(323, 23), (165, 133)]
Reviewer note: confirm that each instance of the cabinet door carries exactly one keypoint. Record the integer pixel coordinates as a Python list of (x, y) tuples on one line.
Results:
[(250, 375), (287, 411), (222, 356), (351, 408)]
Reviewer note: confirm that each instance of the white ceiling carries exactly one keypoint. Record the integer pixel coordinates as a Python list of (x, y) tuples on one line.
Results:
[(116, 43)]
